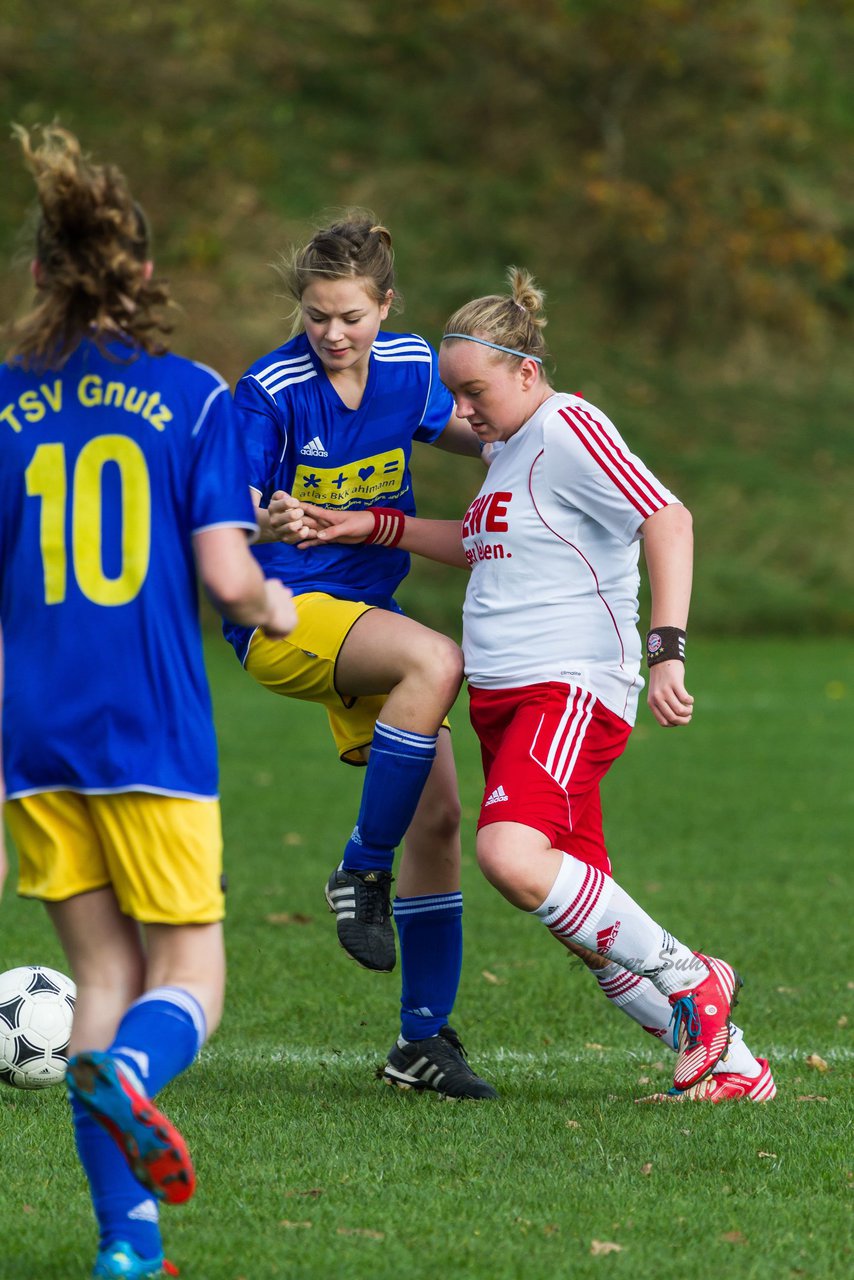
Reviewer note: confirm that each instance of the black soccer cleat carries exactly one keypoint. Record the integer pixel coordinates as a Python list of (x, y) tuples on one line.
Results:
[(361, 903), (438, 1063)]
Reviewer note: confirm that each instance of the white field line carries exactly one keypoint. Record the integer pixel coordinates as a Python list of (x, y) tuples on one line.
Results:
[(514, 1059)]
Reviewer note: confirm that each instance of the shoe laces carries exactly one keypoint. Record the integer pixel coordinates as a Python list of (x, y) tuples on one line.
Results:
[(685, 1014), (450, 1036), (377, 900), (447, 1054)]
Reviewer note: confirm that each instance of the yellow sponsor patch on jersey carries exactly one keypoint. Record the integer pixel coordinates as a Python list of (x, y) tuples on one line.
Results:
[(356, 482)]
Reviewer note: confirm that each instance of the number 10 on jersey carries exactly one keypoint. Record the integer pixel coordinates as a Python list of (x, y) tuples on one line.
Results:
[(47, 478)]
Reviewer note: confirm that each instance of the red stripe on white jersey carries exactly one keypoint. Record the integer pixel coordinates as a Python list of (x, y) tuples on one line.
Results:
[(623, 473), (623, 459)]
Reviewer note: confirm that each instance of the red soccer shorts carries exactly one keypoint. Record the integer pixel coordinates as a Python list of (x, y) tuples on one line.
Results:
[(546, 748)]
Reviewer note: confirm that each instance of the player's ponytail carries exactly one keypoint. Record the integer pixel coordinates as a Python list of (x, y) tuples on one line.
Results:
[(92, 249), (511, 323)]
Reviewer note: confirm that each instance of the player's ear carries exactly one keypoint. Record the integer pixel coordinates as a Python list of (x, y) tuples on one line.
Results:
[(147, 269), (385, 305)]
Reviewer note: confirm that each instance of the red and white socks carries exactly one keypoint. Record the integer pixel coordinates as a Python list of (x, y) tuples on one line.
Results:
[(586, 906), (648, 965), (638, 998)]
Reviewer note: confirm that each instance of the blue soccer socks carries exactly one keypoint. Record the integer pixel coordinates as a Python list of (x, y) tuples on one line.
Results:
[(159, 1036), (430, 932), (398, 767), (124, 1210)]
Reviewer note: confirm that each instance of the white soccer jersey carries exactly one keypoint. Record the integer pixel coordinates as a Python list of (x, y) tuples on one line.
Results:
[(552, 540)]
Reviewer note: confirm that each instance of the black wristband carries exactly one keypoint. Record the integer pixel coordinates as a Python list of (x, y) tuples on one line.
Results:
[(664, 644)]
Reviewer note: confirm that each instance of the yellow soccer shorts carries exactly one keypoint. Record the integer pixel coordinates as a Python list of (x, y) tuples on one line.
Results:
[(303, 666), (162, 855)]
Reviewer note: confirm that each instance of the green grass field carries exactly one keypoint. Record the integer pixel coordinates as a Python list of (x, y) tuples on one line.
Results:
[(736, 834)]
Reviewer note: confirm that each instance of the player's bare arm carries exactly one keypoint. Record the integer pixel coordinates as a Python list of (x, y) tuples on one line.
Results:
[(458, 437), (237, 586), (668, 541), (438, 540)]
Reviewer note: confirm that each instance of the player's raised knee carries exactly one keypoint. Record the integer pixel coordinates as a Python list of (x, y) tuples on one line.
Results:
[(444, 666)]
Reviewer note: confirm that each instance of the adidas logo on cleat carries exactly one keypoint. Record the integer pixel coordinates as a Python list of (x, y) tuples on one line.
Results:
[(496, 797)]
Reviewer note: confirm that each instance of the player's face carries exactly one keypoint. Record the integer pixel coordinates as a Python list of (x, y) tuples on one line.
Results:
[(342, 320), (495, 397)]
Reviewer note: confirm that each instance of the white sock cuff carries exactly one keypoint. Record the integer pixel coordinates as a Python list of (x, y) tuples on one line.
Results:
[(607, 973), (576, 901), (621, 986), (738, 1057), (187, 1003)]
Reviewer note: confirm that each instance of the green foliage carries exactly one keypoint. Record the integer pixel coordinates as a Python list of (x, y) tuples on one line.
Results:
[(310, 1169), (676, 173), (664, 154)]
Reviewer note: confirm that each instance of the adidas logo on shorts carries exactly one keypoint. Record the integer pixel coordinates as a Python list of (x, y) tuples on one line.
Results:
[(496, 797)]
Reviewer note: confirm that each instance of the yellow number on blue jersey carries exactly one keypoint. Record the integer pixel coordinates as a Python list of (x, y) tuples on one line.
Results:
[(46, 478)]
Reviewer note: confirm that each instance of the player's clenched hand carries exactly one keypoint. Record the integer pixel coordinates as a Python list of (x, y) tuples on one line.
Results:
[(349, 527), (669, 701), (281, 615), (288, 519)]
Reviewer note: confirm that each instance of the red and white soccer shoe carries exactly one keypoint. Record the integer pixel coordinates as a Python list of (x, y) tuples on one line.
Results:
[(701, 1027), (723, 1086)]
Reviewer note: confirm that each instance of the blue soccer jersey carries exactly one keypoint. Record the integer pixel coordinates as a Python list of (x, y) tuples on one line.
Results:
[(302, 438), (107, 469)]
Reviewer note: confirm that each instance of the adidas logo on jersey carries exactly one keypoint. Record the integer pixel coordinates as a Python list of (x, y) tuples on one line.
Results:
[(314, 449), (497, 796)]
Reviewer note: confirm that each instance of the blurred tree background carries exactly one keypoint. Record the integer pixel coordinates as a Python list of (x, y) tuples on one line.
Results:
[(677, 173)]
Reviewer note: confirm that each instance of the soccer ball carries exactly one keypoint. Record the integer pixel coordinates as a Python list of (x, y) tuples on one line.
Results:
[(36, 1009)]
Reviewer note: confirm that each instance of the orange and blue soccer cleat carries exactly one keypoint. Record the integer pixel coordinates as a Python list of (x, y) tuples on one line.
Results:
[(723, 1086), (120, 1260), (700, 1018), (153, 1147)]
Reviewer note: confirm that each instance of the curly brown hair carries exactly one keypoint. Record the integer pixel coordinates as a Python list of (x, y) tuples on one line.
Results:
[(92, 248)]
